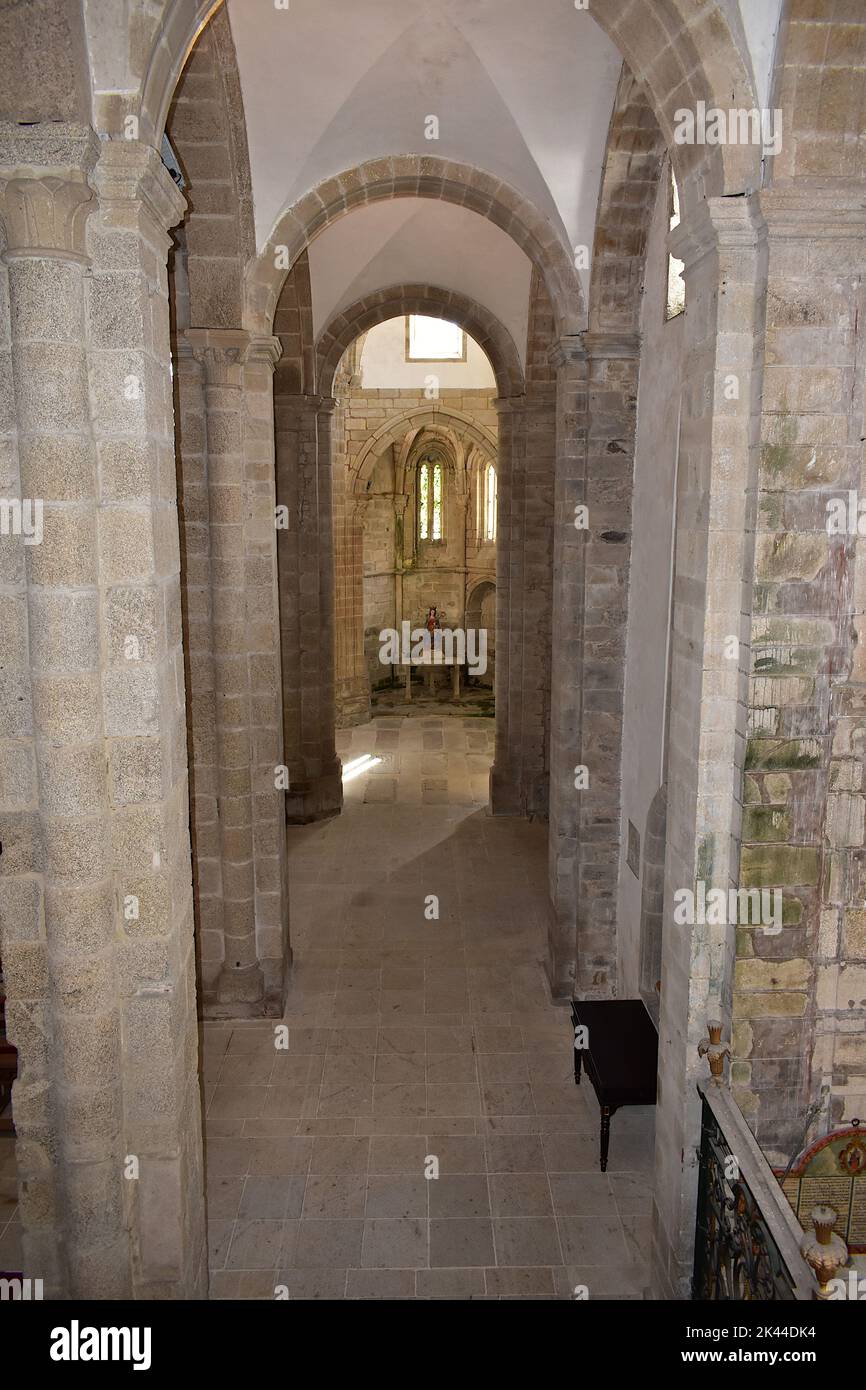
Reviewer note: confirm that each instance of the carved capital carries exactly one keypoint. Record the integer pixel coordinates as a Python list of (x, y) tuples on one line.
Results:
[(45, 198), (46, 217), (222, 353)]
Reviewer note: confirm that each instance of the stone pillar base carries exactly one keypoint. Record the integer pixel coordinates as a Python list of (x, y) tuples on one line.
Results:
[(316, 799), (240, 985), (353, 704), (506, 798), (261, 1008), (559, 972)]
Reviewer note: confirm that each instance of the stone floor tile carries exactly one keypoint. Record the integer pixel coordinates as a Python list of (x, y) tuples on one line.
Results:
[(410, 1041), (255, 1245), (520, 1194), (526, 1240), (456, 1242), (328, 1244), (395, 1243), (334, 1196), (397, 1196), (459, 1195), (592, 1240)]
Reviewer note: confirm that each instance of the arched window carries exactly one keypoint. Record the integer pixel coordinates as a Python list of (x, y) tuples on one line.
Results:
[(430, 499), (488, 520)]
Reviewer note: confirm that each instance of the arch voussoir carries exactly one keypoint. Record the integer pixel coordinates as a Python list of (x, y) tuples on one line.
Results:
[(421, 177), (396, 300)]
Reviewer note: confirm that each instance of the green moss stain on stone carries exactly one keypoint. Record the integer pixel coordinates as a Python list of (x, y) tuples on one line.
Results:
[(745, 947), (751, 790), (767, 866), (706, 856), (795, 661), (791, 754), (767, 823), (777, 454)]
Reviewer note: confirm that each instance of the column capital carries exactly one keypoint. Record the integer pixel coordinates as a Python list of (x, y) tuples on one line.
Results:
[(221, 351), (567, 350), (606, 343), (130, 175), (718, 224), (45, 197)]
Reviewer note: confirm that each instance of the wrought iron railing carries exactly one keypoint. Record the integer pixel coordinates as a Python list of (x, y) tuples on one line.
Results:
[(747, 1240)]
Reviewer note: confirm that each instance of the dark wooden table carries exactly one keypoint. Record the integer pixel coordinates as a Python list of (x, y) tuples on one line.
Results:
[(620, 1053)]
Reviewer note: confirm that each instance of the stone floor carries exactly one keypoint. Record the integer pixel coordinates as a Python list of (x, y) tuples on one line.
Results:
[(419, 1042)]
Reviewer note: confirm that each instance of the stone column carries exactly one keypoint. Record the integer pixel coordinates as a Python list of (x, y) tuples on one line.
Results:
[(306, 578), (723, 246), (566, 694), (52, 728), (265, 673), (506, 795), (352, 680), (224, 380), (197, 602), (239, 986), (101, 968)]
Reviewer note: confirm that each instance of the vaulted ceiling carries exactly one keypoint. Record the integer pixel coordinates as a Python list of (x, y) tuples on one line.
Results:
[(521, 89)]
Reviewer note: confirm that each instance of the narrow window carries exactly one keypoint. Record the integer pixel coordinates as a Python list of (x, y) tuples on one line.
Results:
[(490, 503), (430, 525), (676, 302), (437, 502), (423, 502)]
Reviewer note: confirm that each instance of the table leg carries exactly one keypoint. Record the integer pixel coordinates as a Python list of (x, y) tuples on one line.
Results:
[(606, 1113), (578, 1059)]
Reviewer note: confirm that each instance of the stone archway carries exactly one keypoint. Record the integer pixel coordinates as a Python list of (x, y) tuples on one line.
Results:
[(414, 176), (494, 340), (403, 434), (519, 781), (481, 614)]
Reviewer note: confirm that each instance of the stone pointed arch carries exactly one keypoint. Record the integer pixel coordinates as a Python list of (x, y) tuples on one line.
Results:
[(395, 301), (414, 176), (436, 418)]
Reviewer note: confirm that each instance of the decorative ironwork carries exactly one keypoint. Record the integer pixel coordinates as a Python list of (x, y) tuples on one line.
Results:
[(736, 1257)]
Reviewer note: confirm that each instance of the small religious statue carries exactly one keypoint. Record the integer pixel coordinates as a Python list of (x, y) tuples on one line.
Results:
[(431, 622)]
